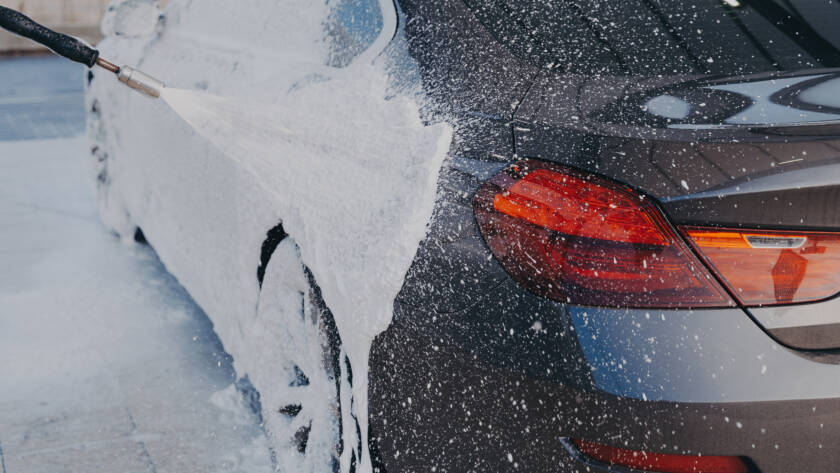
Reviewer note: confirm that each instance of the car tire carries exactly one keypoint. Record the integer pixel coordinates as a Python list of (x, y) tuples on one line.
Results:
[(299, 343)]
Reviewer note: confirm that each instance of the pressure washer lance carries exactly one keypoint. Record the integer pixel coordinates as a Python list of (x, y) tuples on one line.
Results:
[(75, 50)]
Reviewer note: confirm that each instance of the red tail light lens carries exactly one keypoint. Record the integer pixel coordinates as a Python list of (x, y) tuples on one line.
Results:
[(772, 267), (658, 462), (580, 239)]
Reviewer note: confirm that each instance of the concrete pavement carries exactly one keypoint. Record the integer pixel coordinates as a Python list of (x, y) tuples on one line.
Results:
[(41, 97), (106, 364)]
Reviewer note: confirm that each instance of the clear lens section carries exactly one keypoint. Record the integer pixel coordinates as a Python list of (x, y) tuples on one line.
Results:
[(772, 267), (576, 238)]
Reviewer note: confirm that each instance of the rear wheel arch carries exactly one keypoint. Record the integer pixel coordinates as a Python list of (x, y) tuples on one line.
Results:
[(350, 447), (273, 238)]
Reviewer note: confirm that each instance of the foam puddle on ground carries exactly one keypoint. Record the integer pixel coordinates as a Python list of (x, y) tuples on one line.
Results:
[(354, 177)]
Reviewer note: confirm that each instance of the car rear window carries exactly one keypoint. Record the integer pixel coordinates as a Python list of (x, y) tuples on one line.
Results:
[(654, 37)]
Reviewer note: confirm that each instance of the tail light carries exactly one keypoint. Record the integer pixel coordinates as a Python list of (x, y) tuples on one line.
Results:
[(658, 462), (772, 267), (580, 239)]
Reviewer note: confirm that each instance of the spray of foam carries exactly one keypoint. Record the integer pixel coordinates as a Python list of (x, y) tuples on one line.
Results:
[(354, 177)]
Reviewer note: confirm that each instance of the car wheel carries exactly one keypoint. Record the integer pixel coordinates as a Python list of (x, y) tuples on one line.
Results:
[(302, 407)]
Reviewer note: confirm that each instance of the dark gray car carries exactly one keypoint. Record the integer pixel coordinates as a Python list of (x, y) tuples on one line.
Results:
[(636, 258)]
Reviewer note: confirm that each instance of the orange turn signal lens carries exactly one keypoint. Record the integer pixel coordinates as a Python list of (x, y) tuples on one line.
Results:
[(772, 267)]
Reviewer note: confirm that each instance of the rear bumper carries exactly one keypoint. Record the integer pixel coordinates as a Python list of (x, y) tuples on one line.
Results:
[(697, 356), (489, 390)]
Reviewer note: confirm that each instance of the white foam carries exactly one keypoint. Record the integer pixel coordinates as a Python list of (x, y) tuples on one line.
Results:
[(353, 176)]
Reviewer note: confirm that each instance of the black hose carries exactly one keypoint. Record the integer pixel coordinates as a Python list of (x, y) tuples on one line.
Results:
[(63, 45)]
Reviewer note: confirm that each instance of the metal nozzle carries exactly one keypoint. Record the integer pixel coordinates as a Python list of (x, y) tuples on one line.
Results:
[(107, 65), (140, 81)]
